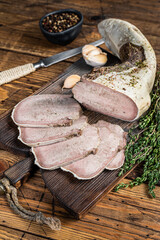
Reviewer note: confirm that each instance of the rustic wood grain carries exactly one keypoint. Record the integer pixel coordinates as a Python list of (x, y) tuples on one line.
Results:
[(129, 214)]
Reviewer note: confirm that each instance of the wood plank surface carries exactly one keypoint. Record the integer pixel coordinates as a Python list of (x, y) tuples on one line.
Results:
[(128, 214)]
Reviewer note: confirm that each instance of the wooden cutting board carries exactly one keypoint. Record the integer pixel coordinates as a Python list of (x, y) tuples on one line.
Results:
[(76, 196)]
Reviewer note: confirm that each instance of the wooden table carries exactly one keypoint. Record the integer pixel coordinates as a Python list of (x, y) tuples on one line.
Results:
[(130, 213)]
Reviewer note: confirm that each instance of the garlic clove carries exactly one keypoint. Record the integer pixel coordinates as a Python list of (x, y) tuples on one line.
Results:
[(71, 81), (99, 59), (94, 52), (94, 56), (87, 48)]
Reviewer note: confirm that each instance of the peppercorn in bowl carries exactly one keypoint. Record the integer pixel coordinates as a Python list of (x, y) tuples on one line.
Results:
[(62, 26)]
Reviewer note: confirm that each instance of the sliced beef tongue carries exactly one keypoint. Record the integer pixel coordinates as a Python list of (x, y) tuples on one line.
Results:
[(42, 136), (116, 129), (111, 142), (58, 154), (46, 110), (117, 161)]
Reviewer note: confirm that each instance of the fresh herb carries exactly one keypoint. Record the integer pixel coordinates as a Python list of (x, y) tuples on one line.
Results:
[(145, 145)]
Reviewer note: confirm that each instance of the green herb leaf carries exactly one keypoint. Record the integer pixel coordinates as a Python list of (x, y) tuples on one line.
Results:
[(145, 146)]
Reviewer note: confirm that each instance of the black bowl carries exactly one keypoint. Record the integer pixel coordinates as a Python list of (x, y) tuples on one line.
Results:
[(65, 36)]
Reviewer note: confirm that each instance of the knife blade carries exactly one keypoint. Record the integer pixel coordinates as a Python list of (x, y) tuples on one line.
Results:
[(46, 62), (20, 71)]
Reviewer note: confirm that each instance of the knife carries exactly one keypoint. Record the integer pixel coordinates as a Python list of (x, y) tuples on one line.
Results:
[(20, 71)]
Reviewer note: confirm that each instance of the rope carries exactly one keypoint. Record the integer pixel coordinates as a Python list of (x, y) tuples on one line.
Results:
[(11, 194), (15, 73)]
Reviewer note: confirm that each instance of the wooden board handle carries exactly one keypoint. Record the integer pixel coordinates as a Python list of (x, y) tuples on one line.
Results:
[(19, 170), (15, 73)]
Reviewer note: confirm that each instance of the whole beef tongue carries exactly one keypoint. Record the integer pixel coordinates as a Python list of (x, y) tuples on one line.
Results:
[(46, 110), (99, 98), (121, 91), (59, 154)]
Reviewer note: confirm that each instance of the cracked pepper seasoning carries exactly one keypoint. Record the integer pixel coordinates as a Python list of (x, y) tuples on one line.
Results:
[(60, 22)]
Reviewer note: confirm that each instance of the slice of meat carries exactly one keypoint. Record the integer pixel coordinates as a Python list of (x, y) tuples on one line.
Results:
[(42, 136), (92, 165), (115, 129), (103, 99), (46, 110), (56, 155), (117, 161)]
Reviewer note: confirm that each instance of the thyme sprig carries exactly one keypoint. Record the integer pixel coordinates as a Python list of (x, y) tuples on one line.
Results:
[(144, 145)]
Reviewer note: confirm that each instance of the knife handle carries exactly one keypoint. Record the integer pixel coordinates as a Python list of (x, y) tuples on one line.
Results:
[(15, 73), (19, 170)]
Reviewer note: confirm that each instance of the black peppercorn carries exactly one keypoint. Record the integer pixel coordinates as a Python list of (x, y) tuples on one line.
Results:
[(60, 22)]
